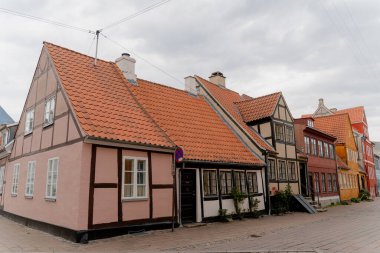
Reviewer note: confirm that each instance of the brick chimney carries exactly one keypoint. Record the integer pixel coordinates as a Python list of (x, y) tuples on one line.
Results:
[(127, 65), (218, 78)]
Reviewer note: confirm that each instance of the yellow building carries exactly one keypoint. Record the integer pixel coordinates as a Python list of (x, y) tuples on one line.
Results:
[(339, 125)]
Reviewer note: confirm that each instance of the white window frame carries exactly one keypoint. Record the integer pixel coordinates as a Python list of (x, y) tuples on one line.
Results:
[(49, 111), (29, 121), (30, 176), (4, 137), (15, 178), (2, 171), (49, 184), (134, 182)]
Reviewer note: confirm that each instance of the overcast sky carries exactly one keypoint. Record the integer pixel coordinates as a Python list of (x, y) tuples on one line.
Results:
[(308, 49)]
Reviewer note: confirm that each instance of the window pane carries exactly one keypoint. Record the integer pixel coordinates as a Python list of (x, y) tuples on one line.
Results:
[(128, 176), (223, 185), (128, 165), (141, 190), (229, 182), (140, 177), (128, 190)]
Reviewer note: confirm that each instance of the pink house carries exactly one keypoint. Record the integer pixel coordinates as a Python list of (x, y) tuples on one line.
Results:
[(94, 151)]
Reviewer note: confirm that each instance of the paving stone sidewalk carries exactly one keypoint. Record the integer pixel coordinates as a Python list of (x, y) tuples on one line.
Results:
[(354, 228)]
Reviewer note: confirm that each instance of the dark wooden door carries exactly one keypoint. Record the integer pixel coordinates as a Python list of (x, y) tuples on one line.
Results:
[(188, 196), (304, 188)]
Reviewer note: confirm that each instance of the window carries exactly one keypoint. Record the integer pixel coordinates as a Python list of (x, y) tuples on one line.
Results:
[(326, 147), (49, 111), (272, 169), (334, 184), (316, 182), (2, 168), (289, 134), (329, 183), (292, 171), (4, 138), (29, 189), (282, 170), (225, 182), (16, 172), (252, 182), (331, 151), (134, 178), (313, 146), (279, 132), (310, 123), (209, 183), (320, 148), (29, 121), (52, 176), (239, 178), (323, 182), (307, 145)]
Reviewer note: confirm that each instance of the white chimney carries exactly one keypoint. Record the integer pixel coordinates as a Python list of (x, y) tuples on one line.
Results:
[(127, 65), (191, 85), (218, 78)]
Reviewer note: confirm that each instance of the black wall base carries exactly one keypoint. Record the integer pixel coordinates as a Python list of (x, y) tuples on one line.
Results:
[(84, 236)]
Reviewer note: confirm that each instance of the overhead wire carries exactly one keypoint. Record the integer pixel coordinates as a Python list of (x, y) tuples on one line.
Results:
[(142, 58), (44, 20), (138, 13)]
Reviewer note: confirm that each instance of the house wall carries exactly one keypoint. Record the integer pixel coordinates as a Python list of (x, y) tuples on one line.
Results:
[(286, 151), (62, 139), (64, 129), (211, 207), (69, 210), (106, 203)]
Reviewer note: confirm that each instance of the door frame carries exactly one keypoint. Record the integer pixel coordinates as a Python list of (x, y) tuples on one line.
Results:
[(193, 170)]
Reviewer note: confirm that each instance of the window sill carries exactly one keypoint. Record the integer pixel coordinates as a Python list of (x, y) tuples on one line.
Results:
[(28, 133), (47, 125), (210, 198), (47, 199), (28, 197), (134, 199)]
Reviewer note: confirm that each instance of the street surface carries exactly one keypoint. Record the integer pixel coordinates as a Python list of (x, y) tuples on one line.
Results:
[(354, 228)]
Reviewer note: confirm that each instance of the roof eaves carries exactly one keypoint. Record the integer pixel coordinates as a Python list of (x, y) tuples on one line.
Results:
[(233, 119)]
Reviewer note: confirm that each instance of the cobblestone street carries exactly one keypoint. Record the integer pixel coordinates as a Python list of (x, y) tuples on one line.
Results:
[(354, 228)]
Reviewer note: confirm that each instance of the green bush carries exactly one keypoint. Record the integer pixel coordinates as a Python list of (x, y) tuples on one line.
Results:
[(344, 203), (282, 200), (254, 207), (355, 200), (238, 198), (364, 194), (224, 216)]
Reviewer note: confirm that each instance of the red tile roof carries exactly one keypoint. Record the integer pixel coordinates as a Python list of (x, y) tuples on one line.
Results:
[(356, 114), (103, 104), (227, 98), (109, 107), (191, 123), (338, 125), (259, 107)]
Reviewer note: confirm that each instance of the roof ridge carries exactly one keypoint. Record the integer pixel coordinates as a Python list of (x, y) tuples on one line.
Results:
[(255, 98), (163, 85), (332, 115), (225, 88), (73, 51)]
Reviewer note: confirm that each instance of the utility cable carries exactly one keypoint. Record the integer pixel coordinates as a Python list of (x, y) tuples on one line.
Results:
[(44, 20), (138, 13), (141, 58)]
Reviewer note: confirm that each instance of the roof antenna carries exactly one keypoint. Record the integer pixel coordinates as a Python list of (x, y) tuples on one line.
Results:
[(97, 43)]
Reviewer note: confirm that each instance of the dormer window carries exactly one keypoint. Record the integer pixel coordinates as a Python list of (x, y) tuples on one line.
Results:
[(49, 111), (4, 138), (29, 121), (310, 123)]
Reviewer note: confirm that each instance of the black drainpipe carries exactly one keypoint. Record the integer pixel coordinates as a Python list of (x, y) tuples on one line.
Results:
[(268, 204)]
